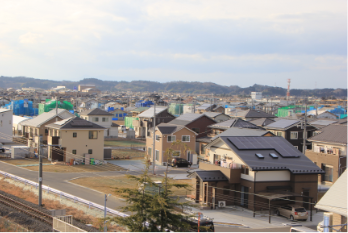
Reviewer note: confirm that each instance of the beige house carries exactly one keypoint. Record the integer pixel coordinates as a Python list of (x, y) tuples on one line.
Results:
[(75, 138), (35, 128), (165, 135), (102, 118)]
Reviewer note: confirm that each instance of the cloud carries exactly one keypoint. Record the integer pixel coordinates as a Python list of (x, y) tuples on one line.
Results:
[(30, 38)]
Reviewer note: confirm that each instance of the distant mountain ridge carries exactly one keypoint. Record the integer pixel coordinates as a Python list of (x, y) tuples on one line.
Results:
[(177, 86)]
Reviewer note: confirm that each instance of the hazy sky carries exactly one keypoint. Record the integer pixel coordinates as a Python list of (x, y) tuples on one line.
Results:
[(229, 42)]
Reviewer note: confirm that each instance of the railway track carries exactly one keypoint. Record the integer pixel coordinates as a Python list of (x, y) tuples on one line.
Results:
[(41, 216)]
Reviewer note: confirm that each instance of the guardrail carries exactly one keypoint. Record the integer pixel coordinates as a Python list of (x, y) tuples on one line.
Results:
[(63, 194)]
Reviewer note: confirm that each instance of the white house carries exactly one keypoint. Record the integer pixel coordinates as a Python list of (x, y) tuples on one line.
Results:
[(5, 125)]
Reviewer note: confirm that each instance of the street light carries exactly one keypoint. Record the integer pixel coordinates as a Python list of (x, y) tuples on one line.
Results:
[(106, 198)]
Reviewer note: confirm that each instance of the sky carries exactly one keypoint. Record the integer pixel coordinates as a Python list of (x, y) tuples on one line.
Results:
[(228, 42)]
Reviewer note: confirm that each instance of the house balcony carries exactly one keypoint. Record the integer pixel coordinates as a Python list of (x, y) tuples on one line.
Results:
[(232, 173)]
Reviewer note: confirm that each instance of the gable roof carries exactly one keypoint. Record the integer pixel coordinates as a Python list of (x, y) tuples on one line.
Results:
[(140, 109), (187, 118), (262, 121), (335, 199), (254, 114), (282, 124), (234, 122), (149, 112), (288, 157), (335, 133), (74, 123), (205, 106), (322, 123), (213, 114), (167, 128), (242, 132), (95, 112), (47, 116)]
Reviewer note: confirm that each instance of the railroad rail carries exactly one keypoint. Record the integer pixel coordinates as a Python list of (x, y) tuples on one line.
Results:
[(26, 209)]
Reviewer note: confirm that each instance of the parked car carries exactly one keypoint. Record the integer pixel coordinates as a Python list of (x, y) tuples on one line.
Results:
[(179, 162), (293, 212), (2, 149)]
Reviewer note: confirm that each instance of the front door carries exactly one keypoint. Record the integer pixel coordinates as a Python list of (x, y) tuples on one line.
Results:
[(244, 196), (188, 156)]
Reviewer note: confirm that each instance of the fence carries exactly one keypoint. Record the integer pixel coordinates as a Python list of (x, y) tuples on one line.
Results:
[(64, 224), (63, 194)]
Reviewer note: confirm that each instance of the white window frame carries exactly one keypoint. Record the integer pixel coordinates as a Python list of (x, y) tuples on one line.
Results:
[(296, 135), (149, 148), (296, 147), (157, 159), (177, 156), (171, 137), (182, 137), (157, 140), (279, 132), (96, 119)]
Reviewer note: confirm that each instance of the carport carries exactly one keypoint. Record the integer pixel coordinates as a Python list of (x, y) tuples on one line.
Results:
[(273, 195)]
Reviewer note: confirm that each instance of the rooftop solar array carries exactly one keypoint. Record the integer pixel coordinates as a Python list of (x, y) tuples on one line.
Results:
[(264, 143)]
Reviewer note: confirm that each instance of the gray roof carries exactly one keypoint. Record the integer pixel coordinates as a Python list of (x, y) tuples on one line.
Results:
[(165, 128), (46, 116), (234, 122), (336, 133), (289, 158), (262, 121), (209, 176), (95, 112), (323, 122), (282, 124), (5, 110), (74, 123), (255, 114), (335, 199), (205, 106), (242, 132), (149, 112), (212, 114), (186, 118)]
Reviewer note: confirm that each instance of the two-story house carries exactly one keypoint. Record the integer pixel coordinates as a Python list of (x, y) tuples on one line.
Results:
[(75, 138), (118, 115), (217, 116), (35, 129), (292, 130), (205, 108), (329, 151), (165, 135), (252, 114), (255, 172), (145, 120), (102, 118)]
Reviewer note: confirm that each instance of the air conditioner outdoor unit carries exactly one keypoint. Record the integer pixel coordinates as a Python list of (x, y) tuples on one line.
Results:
[(222, 204)]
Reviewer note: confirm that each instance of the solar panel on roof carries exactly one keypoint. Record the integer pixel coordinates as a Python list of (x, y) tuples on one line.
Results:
[(263, 143)]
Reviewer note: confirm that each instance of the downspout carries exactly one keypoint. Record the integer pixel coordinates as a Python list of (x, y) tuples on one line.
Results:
[(254, 194)]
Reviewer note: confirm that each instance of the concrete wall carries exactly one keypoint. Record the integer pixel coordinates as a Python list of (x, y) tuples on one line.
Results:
[(6, 125)]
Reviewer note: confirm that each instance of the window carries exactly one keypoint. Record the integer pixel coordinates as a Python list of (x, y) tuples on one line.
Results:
[(148, 133), (149, 151), (74, 152), (176, 154), (293, 135), (90, 151), (260, 156), (280, 134), (93, 134), (274, 156), (185, 138), (196, 130), (157, 138), (157, 155), (245, 170), (46, 131), (120, 115), (328, 173), (171, 138), (202, 148), (96, 119), (74, 135), (105, 119)]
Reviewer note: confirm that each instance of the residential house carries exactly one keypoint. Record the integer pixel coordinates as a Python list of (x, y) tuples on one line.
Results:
[(321, 123), (252, 114), (145, 120), (329, 151), (292, 131), (217, 116), (205, 108), (165, 135), (101, 118), (262, 121), (75, 138), (135, 112), (335, 201), (197, 122), (6, 125), (118, 115), (114, 105), (327, 114), (219, 108), (17, 127), (254, 172), (35, 129)]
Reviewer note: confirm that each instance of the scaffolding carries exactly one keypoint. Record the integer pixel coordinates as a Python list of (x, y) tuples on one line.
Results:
[(22, 108), (128, 122), (51, 104)]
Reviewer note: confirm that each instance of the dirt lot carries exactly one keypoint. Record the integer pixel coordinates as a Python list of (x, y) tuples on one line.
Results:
[(133, 154), (125, 143), (108, 184), (63, 168)]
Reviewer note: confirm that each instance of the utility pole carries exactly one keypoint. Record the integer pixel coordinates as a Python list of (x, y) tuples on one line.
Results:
[(40, 174), (57, 108), (154, 138), (304, 129)]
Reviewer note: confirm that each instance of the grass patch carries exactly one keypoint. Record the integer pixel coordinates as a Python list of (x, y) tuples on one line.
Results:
[(133, 154), (124, 143), (77, 168), (24, 161), (108, 184)]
